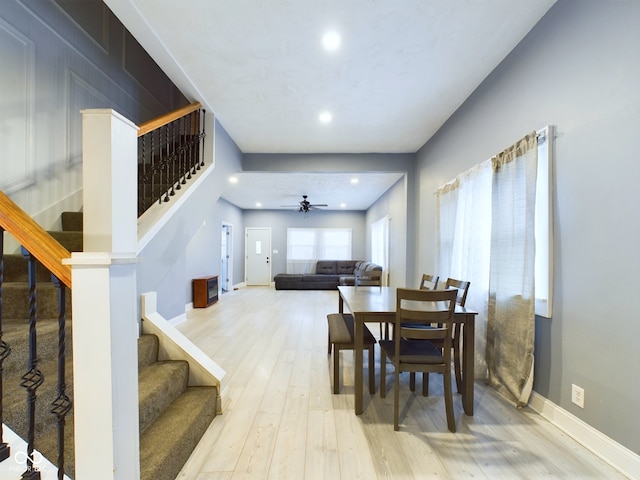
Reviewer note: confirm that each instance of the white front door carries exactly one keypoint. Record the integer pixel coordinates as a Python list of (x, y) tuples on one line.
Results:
[(258, 256)]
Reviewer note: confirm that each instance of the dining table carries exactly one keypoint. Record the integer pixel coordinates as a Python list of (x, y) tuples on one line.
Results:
[(378, 305)]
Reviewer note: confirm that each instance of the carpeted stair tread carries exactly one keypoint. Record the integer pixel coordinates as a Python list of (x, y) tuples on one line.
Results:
[(72, 241), (147, 350), (159, 385), (15, 300), (173, 417), (183, 422), (72, 221), (17, 270)]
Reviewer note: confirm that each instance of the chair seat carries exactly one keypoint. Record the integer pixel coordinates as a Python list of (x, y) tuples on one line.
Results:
[(341, 329), (413, 351)]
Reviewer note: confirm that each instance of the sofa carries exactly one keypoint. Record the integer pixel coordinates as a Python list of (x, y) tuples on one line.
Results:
[(328, 275)]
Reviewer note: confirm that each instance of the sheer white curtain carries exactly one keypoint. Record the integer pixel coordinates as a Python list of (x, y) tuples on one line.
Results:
[(380, 246), (511, 325), (307, 245), (484, 234), (463, 240)]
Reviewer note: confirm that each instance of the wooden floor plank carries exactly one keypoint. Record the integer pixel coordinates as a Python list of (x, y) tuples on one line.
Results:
[(283, 421)]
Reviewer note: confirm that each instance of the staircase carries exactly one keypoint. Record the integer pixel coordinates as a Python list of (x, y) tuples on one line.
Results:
[(172, 415)]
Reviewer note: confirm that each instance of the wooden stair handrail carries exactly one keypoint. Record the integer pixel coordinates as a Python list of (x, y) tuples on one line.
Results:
[(35, 239), (151, 125)]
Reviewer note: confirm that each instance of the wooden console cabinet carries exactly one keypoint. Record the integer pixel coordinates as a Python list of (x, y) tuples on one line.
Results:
[(205, 291)]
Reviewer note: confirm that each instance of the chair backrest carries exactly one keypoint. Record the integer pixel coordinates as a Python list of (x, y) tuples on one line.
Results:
[(368, 278), (423, 307), (462, 286), (429, 282)]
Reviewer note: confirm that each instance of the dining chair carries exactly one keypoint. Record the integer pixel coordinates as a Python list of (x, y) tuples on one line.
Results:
[(413, 349), (372, 278), (462, 288), (429, 282), (341, 330)]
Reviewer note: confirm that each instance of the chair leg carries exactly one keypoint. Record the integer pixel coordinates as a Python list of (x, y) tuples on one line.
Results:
[(383, 373), (396, 398), (329, 342), (448, 400), (456, 358), (372, 373), (412, 381), (336, 370), (425, 384)]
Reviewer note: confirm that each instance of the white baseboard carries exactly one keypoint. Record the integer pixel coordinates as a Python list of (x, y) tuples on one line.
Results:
[(616, 455), (177, 320)]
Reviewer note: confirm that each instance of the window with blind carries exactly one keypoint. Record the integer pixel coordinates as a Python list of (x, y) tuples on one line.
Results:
[(307, 245)]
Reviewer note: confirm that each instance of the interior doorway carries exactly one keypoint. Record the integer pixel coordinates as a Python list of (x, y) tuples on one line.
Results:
[(226, 244)]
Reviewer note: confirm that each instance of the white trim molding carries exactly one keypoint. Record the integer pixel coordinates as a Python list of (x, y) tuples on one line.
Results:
[(619, 457)]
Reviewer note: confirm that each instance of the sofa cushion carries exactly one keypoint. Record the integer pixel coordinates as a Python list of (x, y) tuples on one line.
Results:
[(368, 267), (326, 267), (320, 277), (345, 267)]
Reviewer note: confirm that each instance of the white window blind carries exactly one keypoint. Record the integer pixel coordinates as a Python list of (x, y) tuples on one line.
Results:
[(307, 245)]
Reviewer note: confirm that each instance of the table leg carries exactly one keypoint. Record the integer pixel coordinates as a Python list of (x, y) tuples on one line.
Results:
[(340, 304), (359, 358), (468, 357)]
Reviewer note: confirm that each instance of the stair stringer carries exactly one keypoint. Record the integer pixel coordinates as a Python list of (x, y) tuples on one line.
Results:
[(173, 345)]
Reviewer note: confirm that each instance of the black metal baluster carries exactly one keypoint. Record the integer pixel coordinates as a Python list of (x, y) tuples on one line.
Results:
[(183, 160), (172, 157), (194, 142), (34, 377), (142, 175), (5, 350), (198, 124), (62, 404), (175, 159), (188, 145), (165, 162), (204, 135)]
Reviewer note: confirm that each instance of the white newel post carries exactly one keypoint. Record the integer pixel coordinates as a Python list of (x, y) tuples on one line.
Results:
[(105, 324)]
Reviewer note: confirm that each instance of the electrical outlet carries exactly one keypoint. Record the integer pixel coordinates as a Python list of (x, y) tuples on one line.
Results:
[(577, 395)]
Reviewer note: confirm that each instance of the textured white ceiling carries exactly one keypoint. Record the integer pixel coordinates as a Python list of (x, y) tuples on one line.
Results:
[(273, 190), (404, 66)]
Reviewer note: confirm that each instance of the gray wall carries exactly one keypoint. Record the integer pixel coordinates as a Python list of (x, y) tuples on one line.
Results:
[(189, 245), (577, 69), (334, 162), (279, 221), (394, 205), (397, 202), (51, 68)]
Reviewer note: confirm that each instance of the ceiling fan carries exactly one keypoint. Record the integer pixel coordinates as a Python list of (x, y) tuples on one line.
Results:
[(305, 206)]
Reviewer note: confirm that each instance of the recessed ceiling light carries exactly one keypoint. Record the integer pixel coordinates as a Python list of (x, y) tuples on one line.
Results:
[(354, 181), (233, 179), (343, 205), (325, 117), (331, 41), (258, 204)]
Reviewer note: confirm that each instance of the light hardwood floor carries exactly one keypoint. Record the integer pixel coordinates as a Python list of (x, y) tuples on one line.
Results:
[(281, 420)]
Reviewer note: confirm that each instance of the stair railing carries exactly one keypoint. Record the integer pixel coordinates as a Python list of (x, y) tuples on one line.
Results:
[(37, 245), (170, 152)]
